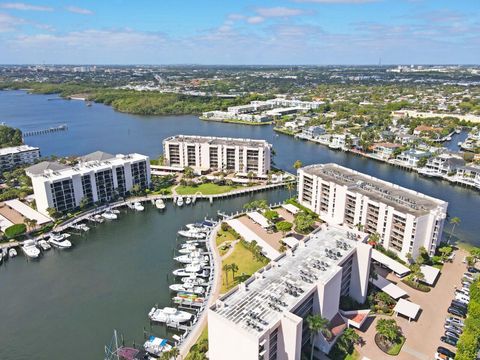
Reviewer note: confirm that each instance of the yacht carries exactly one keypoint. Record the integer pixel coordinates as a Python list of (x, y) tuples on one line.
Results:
[(188, 248), (30, 250), (188, 299), (189, 270), (192, 279), (12, 252), (180, 201), (192, 234), (169, 314), (109, 215), (44, 245), (193, 258), (188, 288), (138, 206), (188, 200), (160, 204), (199, 227), (156, 346), (81, 227), (60, 241)]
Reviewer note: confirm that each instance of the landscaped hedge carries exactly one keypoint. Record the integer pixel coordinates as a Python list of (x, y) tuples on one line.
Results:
[(15, 230), (416, 285), (469, 342)]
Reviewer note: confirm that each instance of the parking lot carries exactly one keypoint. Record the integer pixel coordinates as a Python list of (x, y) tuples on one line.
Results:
[(423, 335)]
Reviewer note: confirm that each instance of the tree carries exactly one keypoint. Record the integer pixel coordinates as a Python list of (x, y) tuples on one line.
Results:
[(388, 329), (454, 221), (53, 213), (348, 339), (188, 172), (136, 189), (226, 269), (303, 222), (374, 239), (290, 186), (297, 164), (174, 353), (316, 324), (10, 136), (284, 226), (271, 215), (417, 273), (84, 202), (250, 176), (234, 269), (445, 252)]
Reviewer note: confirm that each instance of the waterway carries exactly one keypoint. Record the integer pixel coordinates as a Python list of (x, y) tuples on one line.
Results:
[(67, 304)]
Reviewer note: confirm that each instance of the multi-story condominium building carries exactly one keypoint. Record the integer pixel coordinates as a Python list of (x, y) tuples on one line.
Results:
[(12, 157), (204, 153), (265, 317), (405, 220), (98, 177)]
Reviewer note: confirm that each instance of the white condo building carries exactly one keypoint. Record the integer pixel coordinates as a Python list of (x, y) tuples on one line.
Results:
[(204, 153), (265, 317), (405, 220), (98, 177), (12, 157)]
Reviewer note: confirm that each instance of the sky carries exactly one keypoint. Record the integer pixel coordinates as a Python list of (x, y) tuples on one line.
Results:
[(244, 32)]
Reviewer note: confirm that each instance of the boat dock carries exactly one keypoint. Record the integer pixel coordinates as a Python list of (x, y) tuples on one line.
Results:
[(45, 131)]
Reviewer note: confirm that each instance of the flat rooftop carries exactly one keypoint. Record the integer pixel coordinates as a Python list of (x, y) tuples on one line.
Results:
[(218, 140), (17, 149), (283, 284), (400, 198), (95, 161)]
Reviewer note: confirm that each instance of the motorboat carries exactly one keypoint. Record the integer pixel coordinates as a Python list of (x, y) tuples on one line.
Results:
[(130, 353), (115, 211), (188, 298), (138, 206), (44, 245), (12, 253), (60, 241), (180, 201), (30, 250), (192, 258), (5, 254), (196, 270), (188, 248), (192, 234), (169, 314), (188, 288), (199, 227), (160, 204), (188, 200), (194, 280), (156, 346), (109, 215), (81, 227)]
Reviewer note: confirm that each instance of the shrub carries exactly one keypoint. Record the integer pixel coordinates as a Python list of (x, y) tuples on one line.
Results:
[(15, 230)]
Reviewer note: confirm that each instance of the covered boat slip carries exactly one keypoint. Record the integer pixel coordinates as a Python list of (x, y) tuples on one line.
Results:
[(4, 223), (27, 212), (388, 287), (407, 309), (259, 219), (399, 269)]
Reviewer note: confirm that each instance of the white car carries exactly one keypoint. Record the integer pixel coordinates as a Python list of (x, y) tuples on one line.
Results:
[(439, 356), (462, 298)]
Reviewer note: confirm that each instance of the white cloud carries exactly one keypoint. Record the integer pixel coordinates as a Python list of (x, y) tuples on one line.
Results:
[(255, 19), (279, 12), (78, 10), (9, 23), (25, 7)]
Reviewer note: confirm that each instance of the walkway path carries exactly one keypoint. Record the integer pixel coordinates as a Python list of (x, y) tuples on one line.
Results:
[(230, 251)]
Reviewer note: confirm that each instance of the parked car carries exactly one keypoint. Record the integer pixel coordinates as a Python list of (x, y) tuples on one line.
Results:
[(445, 351), (452, 334), (459, 304), (453, 329), (466, 284), (462, 298), (454, 321), (456, 311), (449, 340), (473, 270), (462, 292), (469, 276)]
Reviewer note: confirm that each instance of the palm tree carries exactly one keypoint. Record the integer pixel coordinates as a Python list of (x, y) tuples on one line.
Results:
[(297, 164), (417, 273), (373, 239), (316, 324), (226, 268), (348, 339), (33, 222), (28, 222), (454, 221), (175, 352), (234, 269), (388, 329), (290, 186)]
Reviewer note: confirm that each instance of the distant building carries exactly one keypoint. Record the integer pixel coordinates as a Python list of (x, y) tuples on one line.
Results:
[(313, 131), (203, 153), (412, 157), (385, 150), (98, 176), (405, 220), (11, 157), (265, 317), (442, 165)]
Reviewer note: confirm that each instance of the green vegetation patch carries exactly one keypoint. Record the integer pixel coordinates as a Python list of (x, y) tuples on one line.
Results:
[(10, 136), (205, 189), (15, 230)]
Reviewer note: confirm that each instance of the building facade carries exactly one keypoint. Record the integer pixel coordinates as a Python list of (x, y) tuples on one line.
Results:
[(11, 157), (404, 219), (98, 177), (265, 317), (203, 153)]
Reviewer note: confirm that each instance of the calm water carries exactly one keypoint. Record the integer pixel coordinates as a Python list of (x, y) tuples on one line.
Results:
[(69, 302)]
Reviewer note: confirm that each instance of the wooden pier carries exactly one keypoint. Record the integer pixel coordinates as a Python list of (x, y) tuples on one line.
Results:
[(63, 127)]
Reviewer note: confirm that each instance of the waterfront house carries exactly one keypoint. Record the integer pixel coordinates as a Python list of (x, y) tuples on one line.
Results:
[(445, 164), (313, 132), (468, 175), (411, 157), (385, 150)]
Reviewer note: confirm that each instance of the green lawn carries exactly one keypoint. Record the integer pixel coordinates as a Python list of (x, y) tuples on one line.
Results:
[(246, 264), (200, 347), (223, 236), (205, 189), (395, 349)]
